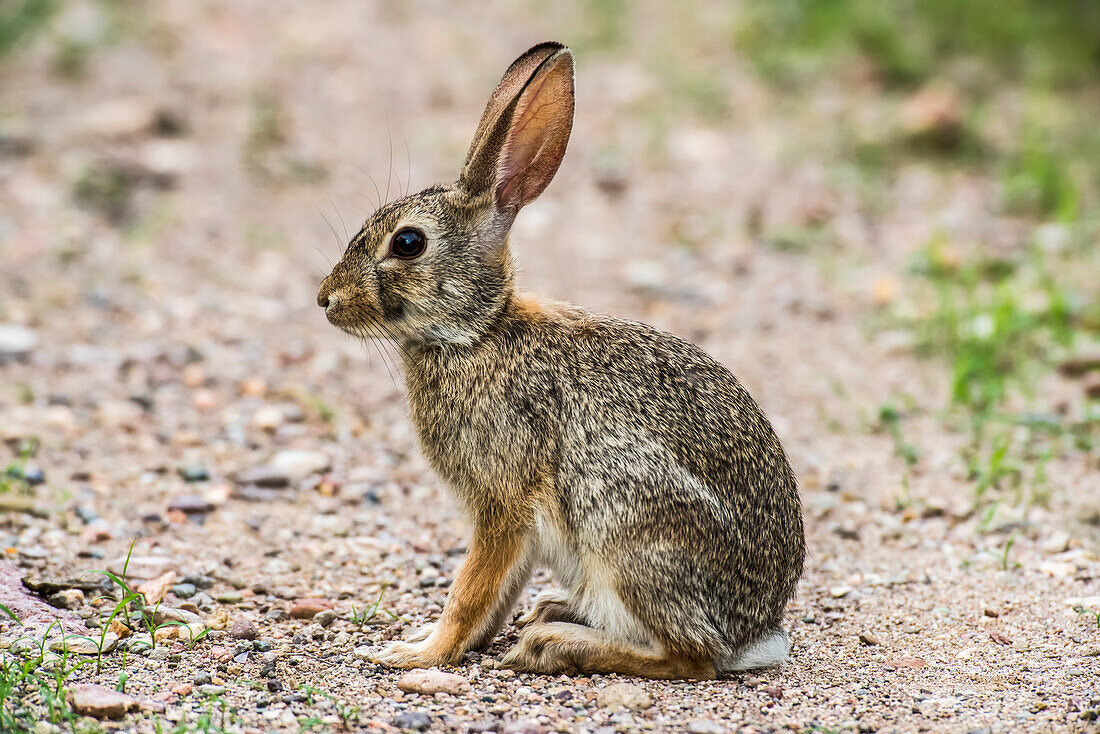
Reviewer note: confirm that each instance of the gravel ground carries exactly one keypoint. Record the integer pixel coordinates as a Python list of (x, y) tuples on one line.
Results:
[(165, 220)]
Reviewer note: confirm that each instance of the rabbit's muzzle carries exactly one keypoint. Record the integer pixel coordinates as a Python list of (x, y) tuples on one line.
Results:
[(334, 300)]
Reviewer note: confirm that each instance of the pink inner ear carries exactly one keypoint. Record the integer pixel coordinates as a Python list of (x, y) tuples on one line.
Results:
[(537, 139), (511, 84)]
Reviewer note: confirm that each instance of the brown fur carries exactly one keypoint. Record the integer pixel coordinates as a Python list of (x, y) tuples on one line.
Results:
[(625, 458), (563, 647)]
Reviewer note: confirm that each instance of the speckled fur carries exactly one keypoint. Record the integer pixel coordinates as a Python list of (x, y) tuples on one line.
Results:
[(625, 458)]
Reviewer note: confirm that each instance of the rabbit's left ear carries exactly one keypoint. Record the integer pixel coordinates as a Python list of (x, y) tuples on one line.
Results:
[(523, 134)]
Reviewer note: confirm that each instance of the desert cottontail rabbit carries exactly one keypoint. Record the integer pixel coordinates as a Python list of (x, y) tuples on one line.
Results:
[(627, 460)]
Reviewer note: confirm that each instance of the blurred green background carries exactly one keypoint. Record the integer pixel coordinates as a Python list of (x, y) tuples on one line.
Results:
[(996, 100)]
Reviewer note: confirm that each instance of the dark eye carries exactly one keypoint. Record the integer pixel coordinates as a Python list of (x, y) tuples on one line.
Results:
[(408, 243)]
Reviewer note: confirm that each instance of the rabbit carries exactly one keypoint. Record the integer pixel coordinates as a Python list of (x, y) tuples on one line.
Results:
[(627, 460)]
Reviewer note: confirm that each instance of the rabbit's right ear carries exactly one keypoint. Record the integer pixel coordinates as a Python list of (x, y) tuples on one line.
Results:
[(524, 130)]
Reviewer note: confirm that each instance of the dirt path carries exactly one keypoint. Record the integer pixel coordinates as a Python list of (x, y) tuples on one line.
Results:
[(162, 232)]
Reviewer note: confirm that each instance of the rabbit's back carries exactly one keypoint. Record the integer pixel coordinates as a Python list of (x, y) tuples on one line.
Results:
[(671, 472)]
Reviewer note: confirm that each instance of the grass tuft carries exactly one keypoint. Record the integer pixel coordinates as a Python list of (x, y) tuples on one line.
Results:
[(1001, 325)]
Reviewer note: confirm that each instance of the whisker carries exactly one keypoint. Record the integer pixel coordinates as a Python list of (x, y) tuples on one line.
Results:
[(368, 200), (380, 326), (347, 237), (332, 229), (396, 342), (377, 191), (389, 173), (374, 340), (325, 255), (408, 165)]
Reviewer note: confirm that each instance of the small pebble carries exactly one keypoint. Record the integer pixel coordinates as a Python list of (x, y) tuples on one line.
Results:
[(906, 662), (190, 504), (299, 464), (705, 726), (325, 617), (99, 702), (243, 628), (869, 639), (263, 476), (194, 473), (184, 590), (309, 607), (412, 721), (199, 581), (624, 695), (428, 682)]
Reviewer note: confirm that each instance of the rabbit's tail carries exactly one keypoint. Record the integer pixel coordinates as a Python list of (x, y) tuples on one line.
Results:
[(769, 649)]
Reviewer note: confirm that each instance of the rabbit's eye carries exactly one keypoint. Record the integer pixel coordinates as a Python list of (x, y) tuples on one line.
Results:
[(408, 243)]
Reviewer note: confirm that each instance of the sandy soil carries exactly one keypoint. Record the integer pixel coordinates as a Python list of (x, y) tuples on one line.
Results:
[(177, 329)]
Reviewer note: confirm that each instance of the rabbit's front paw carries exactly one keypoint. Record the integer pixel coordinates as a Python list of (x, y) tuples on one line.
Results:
[(409, 655), (422, 633)]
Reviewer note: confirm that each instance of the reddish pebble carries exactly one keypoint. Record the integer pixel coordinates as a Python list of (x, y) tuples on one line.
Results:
[(906, 662), (308, 607), (184, 690), (773, 691)]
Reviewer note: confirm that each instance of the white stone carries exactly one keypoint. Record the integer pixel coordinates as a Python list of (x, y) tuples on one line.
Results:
[(16, 340), (625, 696), (297, 464), (428, 682), (85, 645)]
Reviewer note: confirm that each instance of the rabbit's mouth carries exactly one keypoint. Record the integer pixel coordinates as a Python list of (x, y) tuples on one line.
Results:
[(364, 330)]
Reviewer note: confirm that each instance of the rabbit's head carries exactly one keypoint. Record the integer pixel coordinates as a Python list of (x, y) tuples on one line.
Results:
[(434, 267)]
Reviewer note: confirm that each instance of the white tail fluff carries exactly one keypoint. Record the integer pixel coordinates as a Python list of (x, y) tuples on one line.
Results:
[(769, 650)]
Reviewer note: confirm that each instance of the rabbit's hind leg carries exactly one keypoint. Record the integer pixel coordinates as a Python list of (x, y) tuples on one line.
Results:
[(561, 647), (551, 605)]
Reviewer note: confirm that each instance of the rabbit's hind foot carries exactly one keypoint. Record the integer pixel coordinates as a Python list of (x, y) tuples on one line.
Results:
[(560, 647), (551, 605)]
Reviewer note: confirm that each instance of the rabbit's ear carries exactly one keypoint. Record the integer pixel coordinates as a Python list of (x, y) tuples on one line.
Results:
[(525, 128)]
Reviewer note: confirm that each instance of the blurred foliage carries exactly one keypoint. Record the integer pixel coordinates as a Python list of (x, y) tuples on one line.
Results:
[(993, 319), (1037, 181), (1001, 324), (908, 41), (73, 31), (20, 19)]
